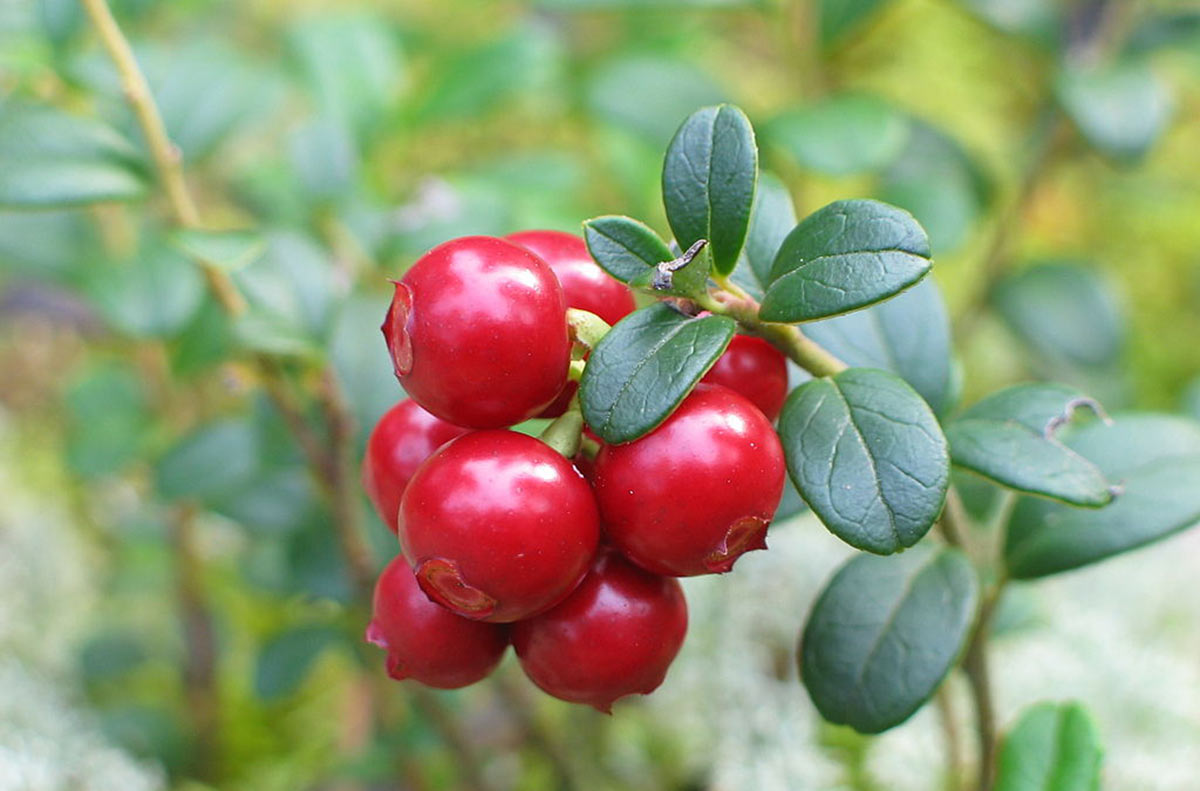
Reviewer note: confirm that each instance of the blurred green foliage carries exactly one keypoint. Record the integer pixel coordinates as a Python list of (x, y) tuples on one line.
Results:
[(1049, 148)]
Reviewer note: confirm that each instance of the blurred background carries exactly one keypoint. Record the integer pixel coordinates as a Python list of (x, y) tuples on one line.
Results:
[(180, 605)]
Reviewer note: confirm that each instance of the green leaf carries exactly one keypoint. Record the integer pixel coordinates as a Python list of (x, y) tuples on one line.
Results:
[(212, 460), (708, 182), (1053, 747), (645, 366), (1065, 312), (841, 135), (1155, 459), (838, 18), (286, 659), (936, 180), (624, 247), (647, 95), (868, 457), (228, 250), (1011, 438), (108, 421), (908, 335), (773, 218), (848, 255), (154, 295), (325, 157), (361, 359), (1121, 108), (884, 633), (49, 158), (352, 65), (1171, 29), (1034, 19)]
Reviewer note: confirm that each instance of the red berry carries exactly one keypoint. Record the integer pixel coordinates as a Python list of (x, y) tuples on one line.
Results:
[(402, 439), (757, 370), (498, 526), (425, 641), (694, 494), (477, 331), (615, 635), (585, 284)]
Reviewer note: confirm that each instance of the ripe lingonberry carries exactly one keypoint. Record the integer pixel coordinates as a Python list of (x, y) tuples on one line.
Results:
[(757, 370), (616, 635), (585, 284), (477, 332), (498, 526), (402, 439), (425, 641), (694, 494)]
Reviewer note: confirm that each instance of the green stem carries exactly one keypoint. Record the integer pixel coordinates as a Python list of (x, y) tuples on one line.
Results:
[(566, 432), (586, 328), (788, 338), (975, 665)]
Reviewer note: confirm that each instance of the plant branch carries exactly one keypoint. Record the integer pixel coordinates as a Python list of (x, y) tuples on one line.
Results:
[(975, 665), (950, 735), (469, 763), (167, 158), (788, 338)]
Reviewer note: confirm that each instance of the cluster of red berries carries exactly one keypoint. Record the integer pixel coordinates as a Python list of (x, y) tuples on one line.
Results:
[(503, 539)]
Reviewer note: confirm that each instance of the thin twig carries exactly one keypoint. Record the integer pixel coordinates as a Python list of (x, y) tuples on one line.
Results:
[(788, 338), (950, 735), (537, 735), (975, 664), (469, 764), (167, 157)]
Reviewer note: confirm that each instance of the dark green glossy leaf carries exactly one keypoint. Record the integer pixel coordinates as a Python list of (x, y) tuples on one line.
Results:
[(49, 158), (1011, 437), (934, 178), (908, 335), (868, 456), (884, 633), (1053, 747), (212, 460), (1154, 459), (1121, 109), (839, 18), (845, 256), (841, 135), (624, 247), (645, 366), (1066, 312), (228, 250), (773, 218), (647, 95), (286, 659), (708, 182)]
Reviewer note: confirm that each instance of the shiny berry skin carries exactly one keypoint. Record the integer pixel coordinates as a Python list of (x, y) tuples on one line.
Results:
[(757, 370), (403, 438), (498, 526), (585, 284), (694, 494), (425, 641), (616, 635), (477, 331)]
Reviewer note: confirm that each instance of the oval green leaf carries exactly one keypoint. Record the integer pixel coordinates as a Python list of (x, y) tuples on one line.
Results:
[(841, 135), (908, 335), (1053, 747), (868, 456), (884, 633), (846, 256), (1010, 437), (1155, 459), (624, 247), (645, 366), (286, 659), (708, 182), (49, 158), (1120, 108), (773, 219)]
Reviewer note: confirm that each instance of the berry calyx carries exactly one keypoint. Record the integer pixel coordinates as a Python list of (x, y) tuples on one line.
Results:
[(403, 438), (425, 641), (498, 526), (756, 369), (696, 493), (616, 635), (477, 333)]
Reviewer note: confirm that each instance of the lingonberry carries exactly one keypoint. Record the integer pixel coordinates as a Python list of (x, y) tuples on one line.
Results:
[(585, 284), (498, 526), (425, 641), (694, 494), (616, 635), (757, 370), (477, 332), (402, 439)]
